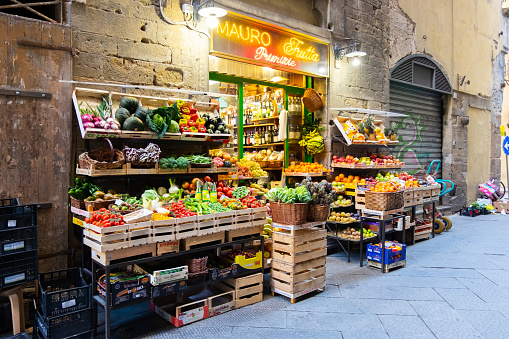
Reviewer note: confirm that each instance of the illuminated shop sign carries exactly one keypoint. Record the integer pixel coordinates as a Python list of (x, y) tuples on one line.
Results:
[(244, 39)]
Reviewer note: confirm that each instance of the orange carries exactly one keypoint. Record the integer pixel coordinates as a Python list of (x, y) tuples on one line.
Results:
[(350, 177), (342, 176)]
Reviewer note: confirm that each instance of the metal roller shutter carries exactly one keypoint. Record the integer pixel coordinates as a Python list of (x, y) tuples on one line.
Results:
[(419, 134)]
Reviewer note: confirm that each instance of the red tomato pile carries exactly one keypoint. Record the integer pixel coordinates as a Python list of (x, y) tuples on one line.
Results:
[(105, 218), (179, 210), (250, 202), (224, 189)]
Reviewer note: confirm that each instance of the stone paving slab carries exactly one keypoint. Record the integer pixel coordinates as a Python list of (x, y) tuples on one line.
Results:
[(463, 299), (346, 322), (491, 324), (404, 326), (323, 305), (396, 307)]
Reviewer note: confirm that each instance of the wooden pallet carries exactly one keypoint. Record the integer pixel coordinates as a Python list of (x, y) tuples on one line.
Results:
[(304, 245), (312, 285), (244, 232), (423, 235), (106, 258), (203, 240), (288, 277), (383, 215), (248, 290), (386, 268)]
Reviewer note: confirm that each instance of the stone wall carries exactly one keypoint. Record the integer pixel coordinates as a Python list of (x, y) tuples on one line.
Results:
[(128, 41)]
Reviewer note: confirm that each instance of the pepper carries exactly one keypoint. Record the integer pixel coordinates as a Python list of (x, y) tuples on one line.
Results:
[(180, 104), (186, 116), (200, 122), (202, 129), (185, 110), (193, 129), (184, 129), (194, 117), (193, 110), (182, 122), (191, 123)]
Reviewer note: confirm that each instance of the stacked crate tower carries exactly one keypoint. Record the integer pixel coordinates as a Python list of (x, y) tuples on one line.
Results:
[(298, 261)]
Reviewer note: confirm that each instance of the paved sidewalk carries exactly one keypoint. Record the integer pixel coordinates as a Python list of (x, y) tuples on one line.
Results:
[(454, 286)]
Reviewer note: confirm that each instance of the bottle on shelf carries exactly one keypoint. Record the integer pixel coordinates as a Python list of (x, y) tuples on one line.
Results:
[(264, 140), (291, 132), (267, 139), (297, 132), (269, 135)]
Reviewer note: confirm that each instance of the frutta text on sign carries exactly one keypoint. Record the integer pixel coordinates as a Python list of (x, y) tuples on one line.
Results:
[(243, 38)]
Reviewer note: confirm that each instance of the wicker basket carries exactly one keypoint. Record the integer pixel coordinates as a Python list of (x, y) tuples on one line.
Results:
[(80, 204), (104, 158), (123, 212), (290, 214), (318, 212), (97, 205), (384, 201), (312, 100), (197, 265), (198, 277)]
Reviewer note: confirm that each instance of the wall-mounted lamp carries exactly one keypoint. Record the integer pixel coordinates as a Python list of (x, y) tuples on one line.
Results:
[(208, 11), (350, 51)]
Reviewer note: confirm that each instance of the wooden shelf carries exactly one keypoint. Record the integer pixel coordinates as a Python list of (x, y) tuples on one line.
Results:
[(273, 168), (263, 119), (258, 125), (266, 145)]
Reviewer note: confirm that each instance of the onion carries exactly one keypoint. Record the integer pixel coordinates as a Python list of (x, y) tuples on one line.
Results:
[(100, 124), (87, 118), (88, 124)]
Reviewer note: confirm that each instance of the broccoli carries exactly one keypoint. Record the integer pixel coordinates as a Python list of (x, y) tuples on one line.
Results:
[(182, 163)]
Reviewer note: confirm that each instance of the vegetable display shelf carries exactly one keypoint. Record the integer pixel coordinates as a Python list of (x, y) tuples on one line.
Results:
[(265, 145), (295, 174), (294, 228), (106, 301), (366, 167), (127, 170)]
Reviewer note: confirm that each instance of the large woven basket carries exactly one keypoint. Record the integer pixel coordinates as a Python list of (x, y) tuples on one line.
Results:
[(289, 214), (312, 100), (97, 205), (384, 201), (104, 158), (80, 204), (197, 265), (318, 212)]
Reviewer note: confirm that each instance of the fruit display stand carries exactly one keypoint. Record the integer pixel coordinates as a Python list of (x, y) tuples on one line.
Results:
[(298, 259)]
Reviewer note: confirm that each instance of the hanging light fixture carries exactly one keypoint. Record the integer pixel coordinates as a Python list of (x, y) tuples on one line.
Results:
[(350, 51), (208, 11)]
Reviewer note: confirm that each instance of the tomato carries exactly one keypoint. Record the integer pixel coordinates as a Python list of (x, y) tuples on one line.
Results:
[(229, 194), (107, 224), (220, 184), (87, 220), (219, 189), (207, 179)]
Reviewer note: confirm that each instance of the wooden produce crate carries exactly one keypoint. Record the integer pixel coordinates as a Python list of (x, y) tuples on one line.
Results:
[(422, 232), (103, 239), (435, 191), (222, 303), (237, 234), (243, 218), (305, 244), (426, 193), (163, 230), (93, 172), (167, 247), (418, 191), (133, 170), (259, 218), (248, 290), (206, 224), (409, 202), (418, 200), (297, 280), (185, 227), (171, 170), (106, 258), (408, 193), (225, 221), (203, 240)]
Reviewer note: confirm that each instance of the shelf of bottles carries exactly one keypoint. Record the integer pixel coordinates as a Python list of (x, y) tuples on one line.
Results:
[(261, 119)]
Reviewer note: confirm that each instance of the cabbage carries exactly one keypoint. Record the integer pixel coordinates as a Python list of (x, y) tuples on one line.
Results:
[(174, 127)]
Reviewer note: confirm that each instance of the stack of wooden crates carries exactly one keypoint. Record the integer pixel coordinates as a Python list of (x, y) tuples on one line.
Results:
[(298, 261)]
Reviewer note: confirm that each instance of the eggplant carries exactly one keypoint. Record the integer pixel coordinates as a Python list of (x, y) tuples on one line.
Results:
[(221, 128)]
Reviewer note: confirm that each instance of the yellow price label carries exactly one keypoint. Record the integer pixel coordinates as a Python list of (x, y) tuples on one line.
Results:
[(77, 221)]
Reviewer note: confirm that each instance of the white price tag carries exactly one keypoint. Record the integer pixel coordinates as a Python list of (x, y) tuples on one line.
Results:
[(14, 246), (118, 202), (11, 223), (69, 303), (14, 278)]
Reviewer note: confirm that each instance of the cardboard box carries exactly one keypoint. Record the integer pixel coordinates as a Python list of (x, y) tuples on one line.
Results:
[(501, 205), (125, 287), (180, 310), (169, 288), (160, 273)]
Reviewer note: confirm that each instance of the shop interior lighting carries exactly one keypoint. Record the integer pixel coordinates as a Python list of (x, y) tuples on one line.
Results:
[(350, 51)]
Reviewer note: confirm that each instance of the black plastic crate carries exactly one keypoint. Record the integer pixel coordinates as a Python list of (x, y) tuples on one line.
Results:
[(86, 335), (18, 268), (18, 240), (65, 326), (13, 216), (64, 291), (5, 315)]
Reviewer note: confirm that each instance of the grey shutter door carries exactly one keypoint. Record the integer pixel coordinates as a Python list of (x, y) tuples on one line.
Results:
[(419, 134)]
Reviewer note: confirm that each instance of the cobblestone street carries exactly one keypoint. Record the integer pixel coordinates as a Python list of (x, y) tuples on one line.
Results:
[(454, 286)]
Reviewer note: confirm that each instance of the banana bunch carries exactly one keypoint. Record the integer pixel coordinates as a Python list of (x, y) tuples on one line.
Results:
[(312, 143)]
